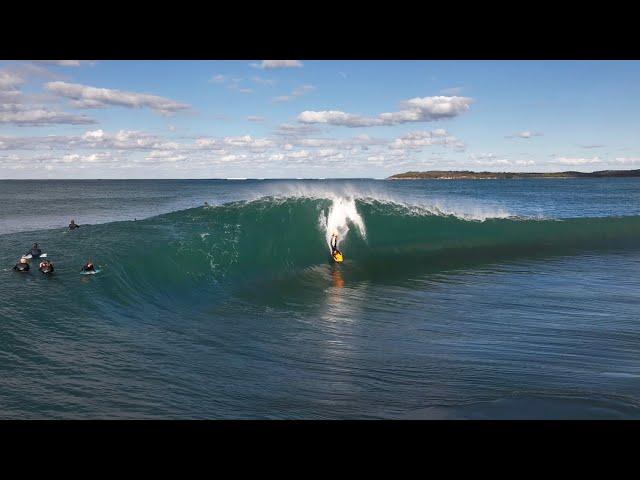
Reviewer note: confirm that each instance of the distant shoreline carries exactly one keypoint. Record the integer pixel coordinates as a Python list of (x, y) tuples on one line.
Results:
[(469, 175)]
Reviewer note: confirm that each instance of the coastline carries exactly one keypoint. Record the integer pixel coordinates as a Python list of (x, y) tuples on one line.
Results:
[(469, 175)]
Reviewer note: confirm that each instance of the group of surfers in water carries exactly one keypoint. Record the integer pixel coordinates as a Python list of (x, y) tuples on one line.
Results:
[(46, 266)]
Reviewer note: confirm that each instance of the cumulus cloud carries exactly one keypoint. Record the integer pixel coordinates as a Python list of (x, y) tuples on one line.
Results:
[(35, 117), (10, 80), (208, 143), (419, 109), (248, 141), (273, 64), (84, 96), (421, 139)]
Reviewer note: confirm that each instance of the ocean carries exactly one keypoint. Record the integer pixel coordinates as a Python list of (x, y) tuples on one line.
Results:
[(457, 299)]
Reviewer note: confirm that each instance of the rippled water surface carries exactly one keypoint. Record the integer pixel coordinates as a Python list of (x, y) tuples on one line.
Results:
[(457, 299)]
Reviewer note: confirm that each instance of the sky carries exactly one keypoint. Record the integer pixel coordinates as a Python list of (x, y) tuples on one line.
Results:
[(314, 118)]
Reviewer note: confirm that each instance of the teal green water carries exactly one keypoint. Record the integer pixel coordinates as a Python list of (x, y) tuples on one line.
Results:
[(505, 299)]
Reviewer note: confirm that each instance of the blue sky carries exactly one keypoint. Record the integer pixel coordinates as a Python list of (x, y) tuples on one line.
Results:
[(298, 118)]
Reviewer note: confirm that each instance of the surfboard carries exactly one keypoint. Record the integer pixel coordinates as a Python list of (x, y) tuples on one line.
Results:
[(337, 257), (42, 255), (97, 270)]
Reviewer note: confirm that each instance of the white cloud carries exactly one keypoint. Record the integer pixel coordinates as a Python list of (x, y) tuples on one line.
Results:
[(577, 161), (39, 116), (526, 134), (207, 143), (10, 80), (421, 139), (273, 64), (417, 109), (248, 141), (84, 96), (631, 160), (299, 154)]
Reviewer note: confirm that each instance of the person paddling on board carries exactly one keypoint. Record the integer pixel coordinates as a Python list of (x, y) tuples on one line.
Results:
[(88, 267), (35, 252), (22, 265), (73, 225)]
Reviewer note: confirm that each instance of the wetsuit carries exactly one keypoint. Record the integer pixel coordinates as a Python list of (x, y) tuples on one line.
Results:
[(34, 252), (46, 267), (334, 246), (87, 268), (21, 267), (73, 226)]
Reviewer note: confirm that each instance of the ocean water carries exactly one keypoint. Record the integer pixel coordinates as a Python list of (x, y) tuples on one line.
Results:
[(456, 299)]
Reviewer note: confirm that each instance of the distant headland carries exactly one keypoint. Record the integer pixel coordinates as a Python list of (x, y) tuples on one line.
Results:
[(469, 175)]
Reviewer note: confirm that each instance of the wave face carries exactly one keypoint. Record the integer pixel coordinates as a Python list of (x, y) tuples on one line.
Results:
[(275, 235), (246, 240)]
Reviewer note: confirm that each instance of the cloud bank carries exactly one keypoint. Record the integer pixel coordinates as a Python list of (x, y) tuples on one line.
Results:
[(84, 96), (425, 109)]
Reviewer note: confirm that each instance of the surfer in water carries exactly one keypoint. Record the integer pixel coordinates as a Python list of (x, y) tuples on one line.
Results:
[(73, 225), (46, 266), (22, 265), (35, 251), (335, 253), (88, 267)]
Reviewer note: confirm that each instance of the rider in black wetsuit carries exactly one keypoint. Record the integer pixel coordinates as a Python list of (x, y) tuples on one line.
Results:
[(35, 252), (88, 267), (46, 266), (334, 244), (73, 225), (22, 265)]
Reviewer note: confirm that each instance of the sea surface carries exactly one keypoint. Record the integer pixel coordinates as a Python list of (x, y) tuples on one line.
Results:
[(457, 299)]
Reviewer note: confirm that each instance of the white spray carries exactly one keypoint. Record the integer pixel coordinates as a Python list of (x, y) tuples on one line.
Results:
[(341, 212)]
